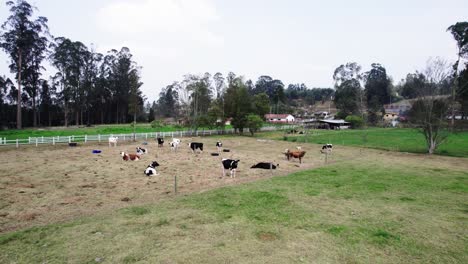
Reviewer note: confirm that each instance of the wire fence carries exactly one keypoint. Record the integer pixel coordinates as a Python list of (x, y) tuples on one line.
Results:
[(124, 137)]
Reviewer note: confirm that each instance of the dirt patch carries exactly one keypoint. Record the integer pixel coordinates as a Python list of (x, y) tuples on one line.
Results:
[(65, 183)]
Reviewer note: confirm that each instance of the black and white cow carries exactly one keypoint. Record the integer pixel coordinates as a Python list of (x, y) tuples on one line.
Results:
[(195, 145), (265, 165), (151, 170), (141, 151), (175, 144), (231, 165), (160, 142), (219, 145), (327, 148)]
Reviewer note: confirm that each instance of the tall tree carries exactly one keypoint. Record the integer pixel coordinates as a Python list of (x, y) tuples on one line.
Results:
[(18, 40), (5, 87), (348, 94), (378, 90), (238, 103), (460, 34), (135, 100)]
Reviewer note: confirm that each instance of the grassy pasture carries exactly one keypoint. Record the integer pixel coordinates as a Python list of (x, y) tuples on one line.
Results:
[(366, 206), (393, 139)]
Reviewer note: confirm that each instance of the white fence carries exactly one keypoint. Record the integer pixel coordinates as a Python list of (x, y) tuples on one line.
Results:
[(122, 137)]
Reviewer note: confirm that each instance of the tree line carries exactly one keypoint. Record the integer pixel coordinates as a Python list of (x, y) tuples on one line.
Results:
[(208, 100), (87, 87)]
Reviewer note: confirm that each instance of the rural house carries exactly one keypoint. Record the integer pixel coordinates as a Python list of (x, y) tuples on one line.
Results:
[(279, 118)]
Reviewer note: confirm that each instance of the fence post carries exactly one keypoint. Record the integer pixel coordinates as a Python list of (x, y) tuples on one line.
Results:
[(53, 141), (42, 139), (29, 140), (124, 137), (17, 143), (85, 138), (69, 139), (36, 142), (99, 138), (172, 133)]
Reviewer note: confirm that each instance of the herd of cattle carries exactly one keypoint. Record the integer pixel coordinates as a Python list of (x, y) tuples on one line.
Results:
[(227, 164)]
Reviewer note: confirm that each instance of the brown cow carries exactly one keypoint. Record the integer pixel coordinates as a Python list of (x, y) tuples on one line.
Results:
[(298, 154)]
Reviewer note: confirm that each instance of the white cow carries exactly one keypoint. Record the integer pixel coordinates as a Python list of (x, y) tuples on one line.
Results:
[(175, 144), (113, 140)]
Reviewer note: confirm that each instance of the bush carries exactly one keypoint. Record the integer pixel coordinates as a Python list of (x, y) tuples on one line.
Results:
[(254, 123), (156, 124), (340, 115), (356, 121)]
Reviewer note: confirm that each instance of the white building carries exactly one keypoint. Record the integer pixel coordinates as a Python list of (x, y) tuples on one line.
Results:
[(279, 118)]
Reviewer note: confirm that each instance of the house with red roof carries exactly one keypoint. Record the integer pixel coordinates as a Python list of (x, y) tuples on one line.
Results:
[(280, 118)]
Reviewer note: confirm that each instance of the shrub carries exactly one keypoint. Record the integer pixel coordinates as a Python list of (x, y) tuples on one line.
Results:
[(356, 121), (156, 124)]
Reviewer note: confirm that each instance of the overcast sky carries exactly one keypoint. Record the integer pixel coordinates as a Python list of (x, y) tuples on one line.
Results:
[(296, 41)]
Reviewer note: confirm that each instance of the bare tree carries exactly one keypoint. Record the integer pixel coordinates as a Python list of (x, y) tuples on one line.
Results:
[(429, 112)]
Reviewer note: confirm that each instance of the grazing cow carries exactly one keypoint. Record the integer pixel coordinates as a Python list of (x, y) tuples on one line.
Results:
[(195, 145), (175, 144), (113, 140), (160, 142), (141, 151), (219, 145), (231, 165), (151, 169), (265, 165), (127, 156), (294, 154), (327, 148)]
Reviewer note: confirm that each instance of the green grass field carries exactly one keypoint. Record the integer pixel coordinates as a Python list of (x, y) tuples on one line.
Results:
[(380, 208), (95, 130), (393, 139)]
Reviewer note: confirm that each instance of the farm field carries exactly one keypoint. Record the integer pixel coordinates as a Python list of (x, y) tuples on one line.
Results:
[(61, 183), (366, 205), (393, 139)]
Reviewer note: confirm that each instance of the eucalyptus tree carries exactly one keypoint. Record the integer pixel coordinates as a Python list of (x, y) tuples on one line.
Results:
[(5, 87), (238, 103), (91, 82), (378, 90), (67, 57), (348, 90), (459, 32), (21, 32), (200, 97), (121, 68), (33, 71), (47, 95), (136, 100)]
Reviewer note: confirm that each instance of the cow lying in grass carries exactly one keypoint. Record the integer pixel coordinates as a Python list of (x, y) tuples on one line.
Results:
[(113, 141), (265, 165), (231, 165), (151, 170), (127, 156), (195, 145), (298, 154), (141, 151)]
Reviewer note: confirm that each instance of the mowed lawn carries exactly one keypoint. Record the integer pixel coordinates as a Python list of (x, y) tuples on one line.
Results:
[(394, 139), (378, 207)]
